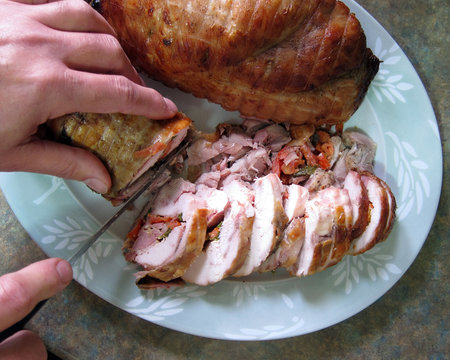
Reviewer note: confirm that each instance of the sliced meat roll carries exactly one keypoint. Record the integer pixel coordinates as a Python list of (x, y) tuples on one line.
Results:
[(217, 203), (229, 241), (171, 235), (167, 246), (294, 234), (225, 253), (328, 223), (269, 223), (360, 202), (287, 251), (379, 212), (295, 201)]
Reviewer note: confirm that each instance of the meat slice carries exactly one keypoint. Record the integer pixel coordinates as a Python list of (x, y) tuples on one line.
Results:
[(169, 195), (225, 254), (171, 235), (360, 202), (379, 212), (269, 223), (227, 251), (273, 136), (201, 151), (166, 256), (289, 247), (255, 163), (216, 201), (295, 201), (358, 154), (210, 179), (328, 223)]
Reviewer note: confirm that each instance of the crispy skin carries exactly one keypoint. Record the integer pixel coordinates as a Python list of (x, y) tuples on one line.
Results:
[(125, 143), (295, 61)]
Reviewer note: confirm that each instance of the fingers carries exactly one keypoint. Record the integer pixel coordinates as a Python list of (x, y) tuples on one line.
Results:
[(23, 345), (101, 93), (97, 53), (48, 157), (33, 2), (22, 290), (72, 15)]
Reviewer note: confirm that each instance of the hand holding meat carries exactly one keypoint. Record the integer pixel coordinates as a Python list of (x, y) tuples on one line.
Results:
[(19, 294), (57, 58)]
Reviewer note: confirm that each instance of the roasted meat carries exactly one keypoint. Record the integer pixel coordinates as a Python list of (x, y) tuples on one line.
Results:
[(289, 61), (270, 220), (380, 214), (328, 224), (128, 145), (272, 201), (171, 235), (228, 244)]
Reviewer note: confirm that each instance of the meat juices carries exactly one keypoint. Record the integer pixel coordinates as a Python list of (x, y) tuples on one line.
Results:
[(263, 200)]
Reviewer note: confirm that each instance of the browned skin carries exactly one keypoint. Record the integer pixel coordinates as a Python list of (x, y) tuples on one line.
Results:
[(118, 140), (341, 235), (296, 233), (363, 219), (391, 218), (245, 232), (295, 61), (380, 233), (279, 223)]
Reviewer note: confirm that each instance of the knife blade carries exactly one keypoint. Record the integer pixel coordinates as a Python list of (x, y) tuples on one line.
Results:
[(150, 184)]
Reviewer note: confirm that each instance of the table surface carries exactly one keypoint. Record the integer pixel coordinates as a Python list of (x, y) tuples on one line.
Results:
[(409, 321)]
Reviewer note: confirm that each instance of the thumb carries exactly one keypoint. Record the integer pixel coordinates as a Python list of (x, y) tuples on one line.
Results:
[(52, 158), (22, 290), (23, 345)]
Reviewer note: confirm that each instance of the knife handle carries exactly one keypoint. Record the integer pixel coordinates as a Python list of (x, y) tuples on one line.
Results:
[(21, 324)]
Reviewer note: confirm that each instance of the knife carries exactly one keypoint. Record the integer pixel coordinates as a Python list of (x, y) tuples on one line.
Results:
[(150, 184)]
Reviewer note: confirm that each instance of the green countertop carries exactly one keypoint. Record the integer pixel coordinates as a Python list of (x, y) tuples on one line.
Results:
[(410, 321)]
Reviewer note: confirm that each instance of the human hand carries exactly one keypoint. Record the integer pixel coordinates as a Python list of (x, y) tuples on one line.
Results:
[(19, 293), (59, 57)]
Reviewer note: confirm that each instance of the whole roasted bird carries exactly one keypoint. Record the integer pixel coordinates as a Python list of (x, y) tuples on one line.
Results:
[(286, 60)]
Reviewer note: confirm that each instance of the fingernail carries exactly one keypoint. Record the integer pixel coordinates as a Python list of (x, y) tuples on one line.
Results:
[(96, 185), (64, 271), (170, 105)]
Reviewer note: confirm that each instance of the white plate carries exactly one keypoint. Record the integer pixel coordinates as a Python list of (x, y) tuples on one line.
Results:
[(396, 113)]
